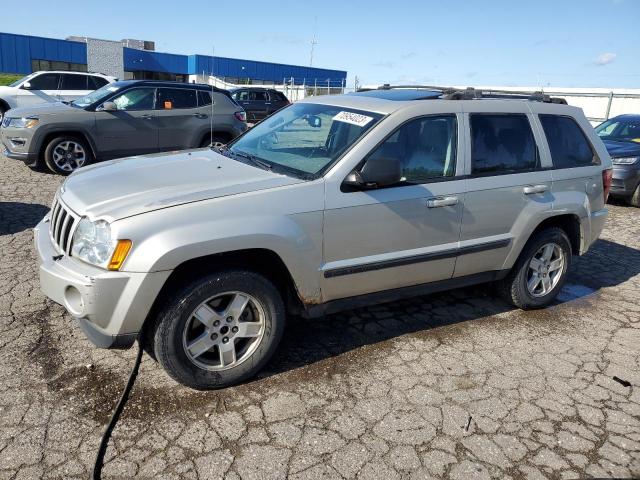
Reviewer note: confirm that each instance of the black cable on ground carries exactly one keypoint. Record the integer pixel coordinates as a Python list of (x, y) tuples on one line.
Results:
[(98, 464)]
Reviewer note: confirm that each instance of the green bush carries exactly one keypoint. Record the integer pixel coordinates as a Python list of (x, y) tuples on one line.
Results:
[(7, 78)]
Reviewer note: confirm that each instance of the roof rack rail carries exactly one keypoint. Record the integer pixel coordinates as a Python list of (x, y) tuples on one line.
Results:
[(471, 93)]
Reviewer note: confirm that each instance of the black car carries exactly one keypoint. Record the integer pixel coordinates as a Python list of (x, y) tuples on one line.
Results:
[(259, 103), (621, 136)]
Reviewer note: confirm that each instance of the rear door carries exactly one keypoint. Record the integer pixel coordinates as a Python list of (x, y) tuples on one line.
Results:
[(42, 88), (132, 129), (508, 187), (180, 121), (73, 86)]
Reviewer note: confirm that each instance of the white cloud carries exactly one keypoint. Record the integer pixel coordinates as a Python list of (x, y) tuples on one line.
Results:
[(605, 58)]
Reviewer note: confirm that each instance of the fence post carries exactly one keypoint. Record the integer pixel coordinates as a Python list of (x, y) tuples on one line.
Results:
[(315, 87), (606, 117)]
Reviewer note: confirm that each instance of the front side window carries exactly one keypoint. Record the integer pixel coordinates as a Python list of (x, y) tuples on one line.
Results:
[(172, 98), (97, 82), (502, 144), (135, 99), (98, 95), (46, 81), (567, 142), (241, 96), (425, 147), (204, 98), (73, 82), (305, 139)]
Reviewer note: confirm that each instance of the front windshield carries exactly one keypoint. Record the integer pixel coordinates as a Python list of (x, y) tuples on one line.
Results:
[(96, 96), (18, 82), (625, 130), (304, 138)]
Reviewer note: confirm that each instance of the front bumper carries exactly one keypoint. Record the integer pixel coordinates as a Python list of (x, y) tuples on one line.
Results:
[(110, 307), (625, 180), (17, 144)]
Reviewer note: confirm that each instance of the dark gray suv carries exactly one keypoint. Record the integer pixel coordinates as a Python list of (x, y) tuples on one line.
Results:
[(121, 119)]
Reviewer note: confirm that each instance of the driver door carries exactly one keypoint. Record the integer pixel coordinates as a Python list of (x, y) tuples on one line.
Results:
[(404, 234), (130, 130)]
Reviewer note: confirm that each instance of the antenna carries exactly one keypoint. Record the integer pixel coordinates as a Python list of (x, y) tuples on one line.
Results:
[(313, 40), (213, 56)]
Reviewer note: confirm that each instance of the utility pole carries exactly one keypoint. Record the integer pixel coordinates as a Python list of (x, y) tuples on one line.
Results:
[(314, 42)]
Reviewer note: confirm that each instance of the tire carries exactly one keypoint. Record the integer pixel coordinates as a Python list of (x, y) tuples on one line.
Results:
[(62, 146), (215, 141), (3, 109), (514, 287), (185, 347), (634, 200)]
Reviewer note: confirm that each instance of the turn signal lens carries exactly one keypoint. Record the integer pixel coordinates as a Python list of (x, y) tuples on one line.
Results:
[(119, 254)]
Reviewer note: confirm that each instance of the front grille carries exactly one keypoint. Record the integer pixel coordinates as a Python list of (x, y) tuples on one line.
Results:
[(62, 225)]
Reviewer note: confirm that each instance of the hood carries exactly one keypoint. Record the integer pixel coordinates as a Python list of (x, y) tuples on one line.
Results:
[(131, 186), (40, 109), (622, 149)]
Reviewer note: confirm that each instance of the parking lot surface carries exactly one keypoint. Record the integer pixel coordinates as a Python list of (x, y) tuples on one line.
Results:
[(455, 385)]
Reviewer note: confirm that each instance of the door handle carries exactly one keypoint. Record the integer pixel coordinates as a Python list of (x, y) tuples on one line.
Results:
[(442, 202), (147, 117), (531, 189), (200, 115), (267, 103)]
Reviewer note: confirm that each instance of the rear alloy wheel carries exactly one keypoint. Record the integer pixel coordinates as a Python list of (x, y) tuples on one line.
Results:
[(66, 154), (219, 330), (540, 271)]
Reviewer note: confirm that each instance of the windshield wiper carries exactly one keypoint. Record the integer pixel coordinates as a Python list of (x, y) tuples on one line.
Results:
[(255, 160)]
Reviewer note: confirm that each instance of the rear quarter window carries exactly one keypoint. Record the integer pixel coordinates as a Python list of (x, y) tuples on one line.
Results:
[(567, 142)]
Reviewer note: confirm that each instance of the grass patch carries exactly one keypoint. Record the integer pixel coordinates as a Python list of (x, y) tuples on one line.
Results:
[(7, 78)]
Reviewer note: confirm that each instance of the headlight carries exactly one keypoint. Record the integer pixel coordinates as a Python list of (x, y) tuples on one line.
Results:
[(23, 122), (93, 244), (624, 160)]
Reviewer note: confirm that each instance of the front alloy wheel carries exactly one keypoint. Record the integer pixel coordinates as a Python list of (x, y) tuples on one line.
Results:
[(545, 270), (219, 330)]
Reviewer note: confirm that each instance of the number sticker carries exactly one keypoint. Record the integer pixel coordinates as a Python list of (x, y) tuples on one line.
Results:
[(353, 118)]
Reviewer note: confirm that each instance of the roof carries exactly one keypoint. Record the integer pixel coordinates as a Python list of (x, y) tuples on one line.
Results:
[(165, 83)]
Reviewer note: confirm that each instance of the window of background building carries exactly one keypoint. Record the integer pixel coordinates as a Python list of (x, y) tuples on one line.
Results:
[(45, 65)]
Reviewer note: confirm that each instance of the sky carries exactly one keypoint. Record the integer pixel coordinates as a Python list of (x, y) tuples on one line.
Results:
[(561, 43)]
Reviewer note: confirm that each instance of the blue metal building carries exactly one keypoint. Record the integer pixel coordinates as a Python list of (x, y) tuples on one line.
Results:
[(24, 54)]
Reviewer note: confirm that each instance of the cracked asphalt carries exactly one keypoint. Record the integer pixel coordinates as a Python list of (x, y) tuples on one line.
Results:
[(456, 385)]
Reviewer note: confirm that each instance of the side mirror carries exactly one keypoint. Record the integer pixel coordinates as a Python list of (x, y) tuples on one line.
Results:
[(376, 173), (26, 86), (108, 107), (314, 121)]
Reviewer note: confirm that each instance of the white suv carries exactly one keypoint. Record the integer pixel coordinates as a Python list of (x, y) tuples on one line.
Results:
[(42, 87)]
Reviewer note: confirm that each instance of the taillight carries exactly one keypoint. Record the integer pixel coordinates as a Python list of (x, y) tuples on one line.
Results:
[(607, 177), (242, 116)]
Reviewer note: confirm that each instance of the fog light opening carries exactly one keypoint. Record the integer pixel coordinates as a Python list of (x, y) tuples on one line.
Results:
[(73, 301)]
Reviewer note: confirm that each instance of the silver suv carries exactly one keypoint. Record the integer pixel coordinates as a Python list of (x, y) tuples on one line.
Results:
[(331, 203)]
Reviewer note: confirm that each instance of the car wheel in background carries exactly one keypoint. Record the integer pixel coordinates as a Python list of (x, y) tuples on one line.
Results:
[(67, 153), (634, 200), (220, 330), (540, 271), (216, 142)]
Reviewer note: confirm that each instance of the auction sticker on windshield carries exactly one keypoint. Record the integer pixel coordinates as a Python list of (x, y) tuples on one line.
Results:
[(353, 118)]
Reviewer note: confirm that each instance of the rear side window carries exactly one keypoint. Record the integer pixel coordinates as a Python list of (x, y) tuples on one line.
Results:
[(204, 98), (425, 147), (47, 81), (258, 96), (568, 144), (502, 144), (73, 82), (97, 82), (172, 98)]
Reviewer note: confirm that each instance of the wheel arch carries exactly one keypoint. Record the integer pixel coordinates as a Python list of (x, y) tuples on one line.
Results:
[(5, 105), (223, 134), (51, 134), (263, 261)]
